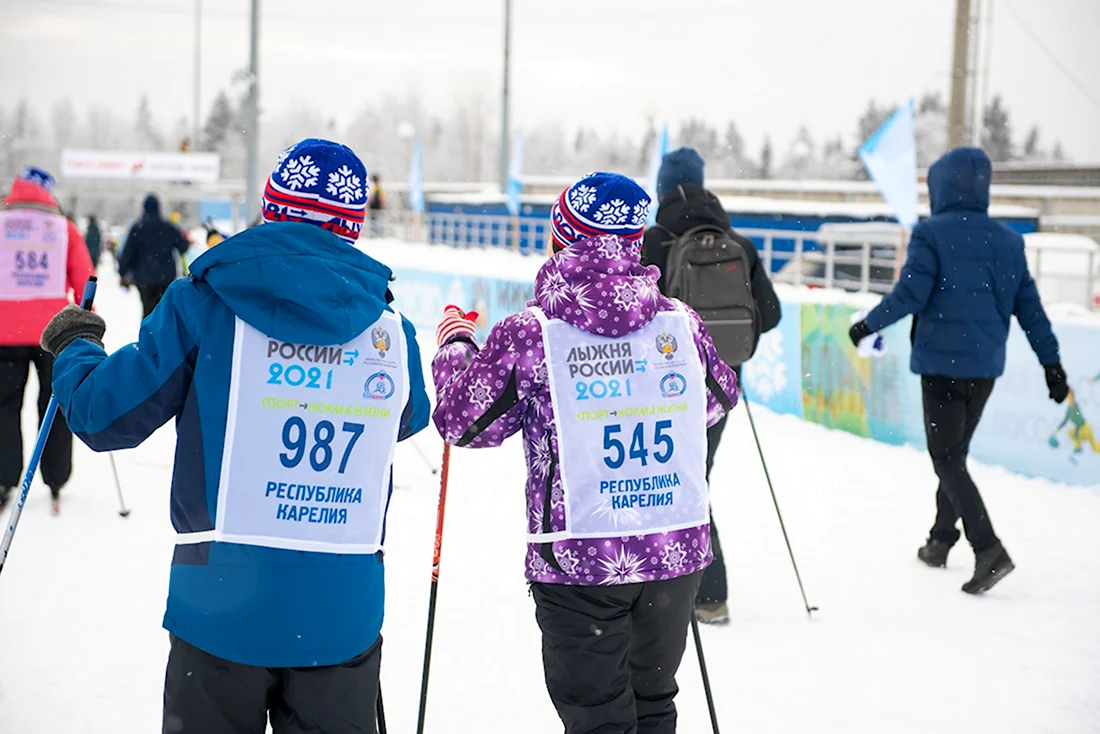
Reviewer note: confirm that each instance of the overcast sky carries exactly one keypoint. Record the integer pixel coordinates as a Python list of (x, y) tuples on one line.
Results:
[(769, 64)]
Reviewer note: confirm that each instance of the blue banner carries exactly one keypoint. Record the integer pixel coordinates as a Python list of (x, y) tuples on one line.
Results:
[(416, 181)]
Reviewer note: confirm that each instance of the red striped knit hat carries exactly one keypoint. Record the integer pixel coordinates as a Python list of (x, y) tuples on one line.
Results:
[(600, 203), (319, 182)]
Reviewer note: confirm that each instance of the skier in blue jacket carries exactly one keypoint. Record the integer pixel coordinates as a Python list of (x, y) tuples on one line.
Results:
[(290, 379), (964, 278)]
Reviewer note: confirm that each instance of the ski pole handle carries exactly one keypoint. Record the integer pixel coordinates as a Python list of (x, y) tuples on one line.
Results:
[(89, 293)]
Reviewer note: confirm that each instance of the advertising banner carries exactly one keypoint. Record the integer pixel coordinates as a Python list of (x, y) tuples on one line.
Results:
[(138, 166)]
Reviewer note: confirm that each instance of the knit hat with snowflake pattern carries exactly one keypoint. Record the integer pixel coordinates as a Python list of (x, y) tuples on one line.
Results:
[(318, 182), (600, 203)]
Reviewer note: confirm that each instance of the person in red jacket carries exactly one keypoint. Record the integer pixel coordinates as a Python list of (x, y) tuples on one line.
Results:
[(43, 267)]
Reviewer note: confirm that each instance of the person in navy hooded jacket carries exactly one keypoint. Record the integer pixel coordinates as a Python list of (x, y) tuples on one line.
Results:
[(964, 278), (290, 380)]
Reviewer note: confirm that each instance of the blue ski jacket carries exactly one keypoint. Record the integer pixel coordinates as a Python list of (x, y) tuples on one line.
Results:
[(293, 282), (964, 278)]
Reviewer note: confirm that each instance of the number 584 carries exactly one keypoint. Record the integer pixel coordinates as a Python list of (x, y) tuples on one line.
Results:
[(618, 452)]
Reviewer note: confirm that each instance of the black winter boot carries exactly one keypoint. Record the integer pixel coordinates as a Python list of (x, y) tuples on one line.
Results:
[(934, 553), (5, 495), (990, 566)]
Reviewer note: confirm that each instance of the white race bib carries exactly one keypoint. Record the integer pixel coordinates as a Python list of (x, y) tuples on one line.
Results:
[(34, 252), (631, 416), (309, 441)]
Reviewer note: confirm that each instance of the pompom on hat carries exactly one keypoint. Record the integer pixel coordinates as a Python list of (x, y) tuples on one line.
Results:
[(599, 204), (38, 177), (318, 182)]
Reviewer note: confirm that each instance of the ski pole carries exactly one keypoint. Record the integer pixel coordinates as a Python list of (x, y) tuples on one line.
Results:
[(703, 670), (123, 510), (427, 461), (380, 711), (435, 587), (39, 445), (782, 526)]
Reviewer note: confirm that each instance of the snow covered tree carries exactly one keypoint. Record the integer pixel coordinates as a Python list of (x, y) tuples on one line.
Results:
[(219, 122), (1031, 150), (872, 119), (766, 159), (997, 131), (930, 128), (146, 134), (800, 161), (63, 123)]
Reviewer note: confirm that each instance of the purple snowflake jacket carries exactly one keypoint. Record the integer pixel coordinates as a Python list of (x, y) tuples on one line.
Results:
[(486, 395)]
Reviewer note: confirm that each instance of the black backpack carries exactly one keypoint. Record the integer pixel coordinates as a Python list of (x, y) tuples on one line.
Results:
[(709, 271)]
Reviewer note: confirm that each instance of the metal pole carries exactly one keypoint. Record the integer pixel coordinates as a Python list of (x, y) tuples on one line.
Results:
[(977, 38), (505, 125), (252, 130), (960, 77), (196, 86), (988, 43)]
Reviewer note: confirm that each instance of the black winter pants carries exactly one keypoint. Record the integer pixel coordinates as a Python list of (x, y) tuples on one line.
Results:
[(204, 694), (713, 587), (57, 456), (150, 297), (952, 410), (610, 653)]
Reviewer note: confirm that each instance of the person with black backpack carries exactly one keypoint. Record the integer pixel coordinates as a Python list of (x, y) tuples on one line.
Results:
[(717, 272)]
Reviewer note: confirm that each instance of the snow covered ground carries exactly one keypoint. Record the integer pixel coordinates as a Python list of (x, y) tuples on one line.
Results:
[(896, 647)]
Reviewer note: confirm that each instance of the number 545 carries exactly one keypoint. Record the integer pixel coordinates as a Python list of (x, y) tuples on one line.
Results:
[(618, 452)]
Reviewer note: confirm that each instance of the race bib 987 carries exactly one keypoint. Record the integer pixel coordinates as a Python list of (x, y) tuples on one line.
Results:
[(310, 437)]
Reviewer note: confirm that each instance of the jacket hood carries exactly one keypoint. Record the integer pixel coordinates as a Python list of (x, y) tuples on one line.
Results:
[(599, 286), (25, 193), (296, 282), (688, 206), (151, 206), (959, 181)]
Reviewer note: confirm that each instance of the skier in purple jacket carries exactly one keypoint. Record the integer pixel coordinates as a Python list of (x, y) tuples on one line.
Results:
[(613, 386)]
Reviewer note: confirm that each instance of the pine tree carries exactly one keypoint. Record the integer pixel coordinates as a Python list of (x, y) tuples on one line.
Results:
[(997, 132), (872, 119), (145, 128), (766, 159), (218, 123), (1031, 145), (734, 151)]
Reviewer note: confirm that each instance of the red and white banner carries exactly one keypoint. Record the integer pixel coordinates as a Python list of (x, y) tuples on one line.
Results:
[(137, 166)]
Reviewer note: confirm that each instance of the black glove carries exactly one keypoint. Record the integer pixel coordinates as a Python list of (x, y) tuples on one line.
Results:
[(859, 332), (1056, 382), (72, 323)]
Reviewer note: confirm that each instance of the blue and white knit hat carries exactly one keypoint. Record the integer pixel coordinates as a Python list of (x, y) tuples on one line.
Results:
[(38, 177), (318, 182), (600, 203)]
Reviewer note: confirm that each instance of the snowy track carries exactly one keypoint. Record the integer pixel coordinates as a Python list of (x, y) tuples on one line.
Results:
[(895, 648)]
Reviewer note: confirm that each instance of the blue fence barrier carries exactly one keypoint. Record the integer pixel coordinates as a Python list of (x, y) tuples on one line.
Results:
[(808, 368)]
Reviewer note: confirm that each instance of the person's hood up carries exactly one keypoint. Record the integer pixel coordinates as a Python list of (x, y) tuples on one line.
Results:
[(959, 181), (296, 282), (688, 206), (25, 194), (599, 286), (151, 206)]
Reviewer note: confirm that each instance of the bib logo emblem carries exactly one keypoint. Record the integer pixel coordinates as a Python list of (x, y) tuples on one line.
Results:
[(380, 338), (378, 386), (666, 344), (673, 385)]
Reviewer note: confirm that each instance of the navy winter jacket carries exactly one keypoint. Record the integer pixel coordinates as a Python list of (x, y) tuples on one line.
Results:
[(147, 255), (293, 282), (963, 280)]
